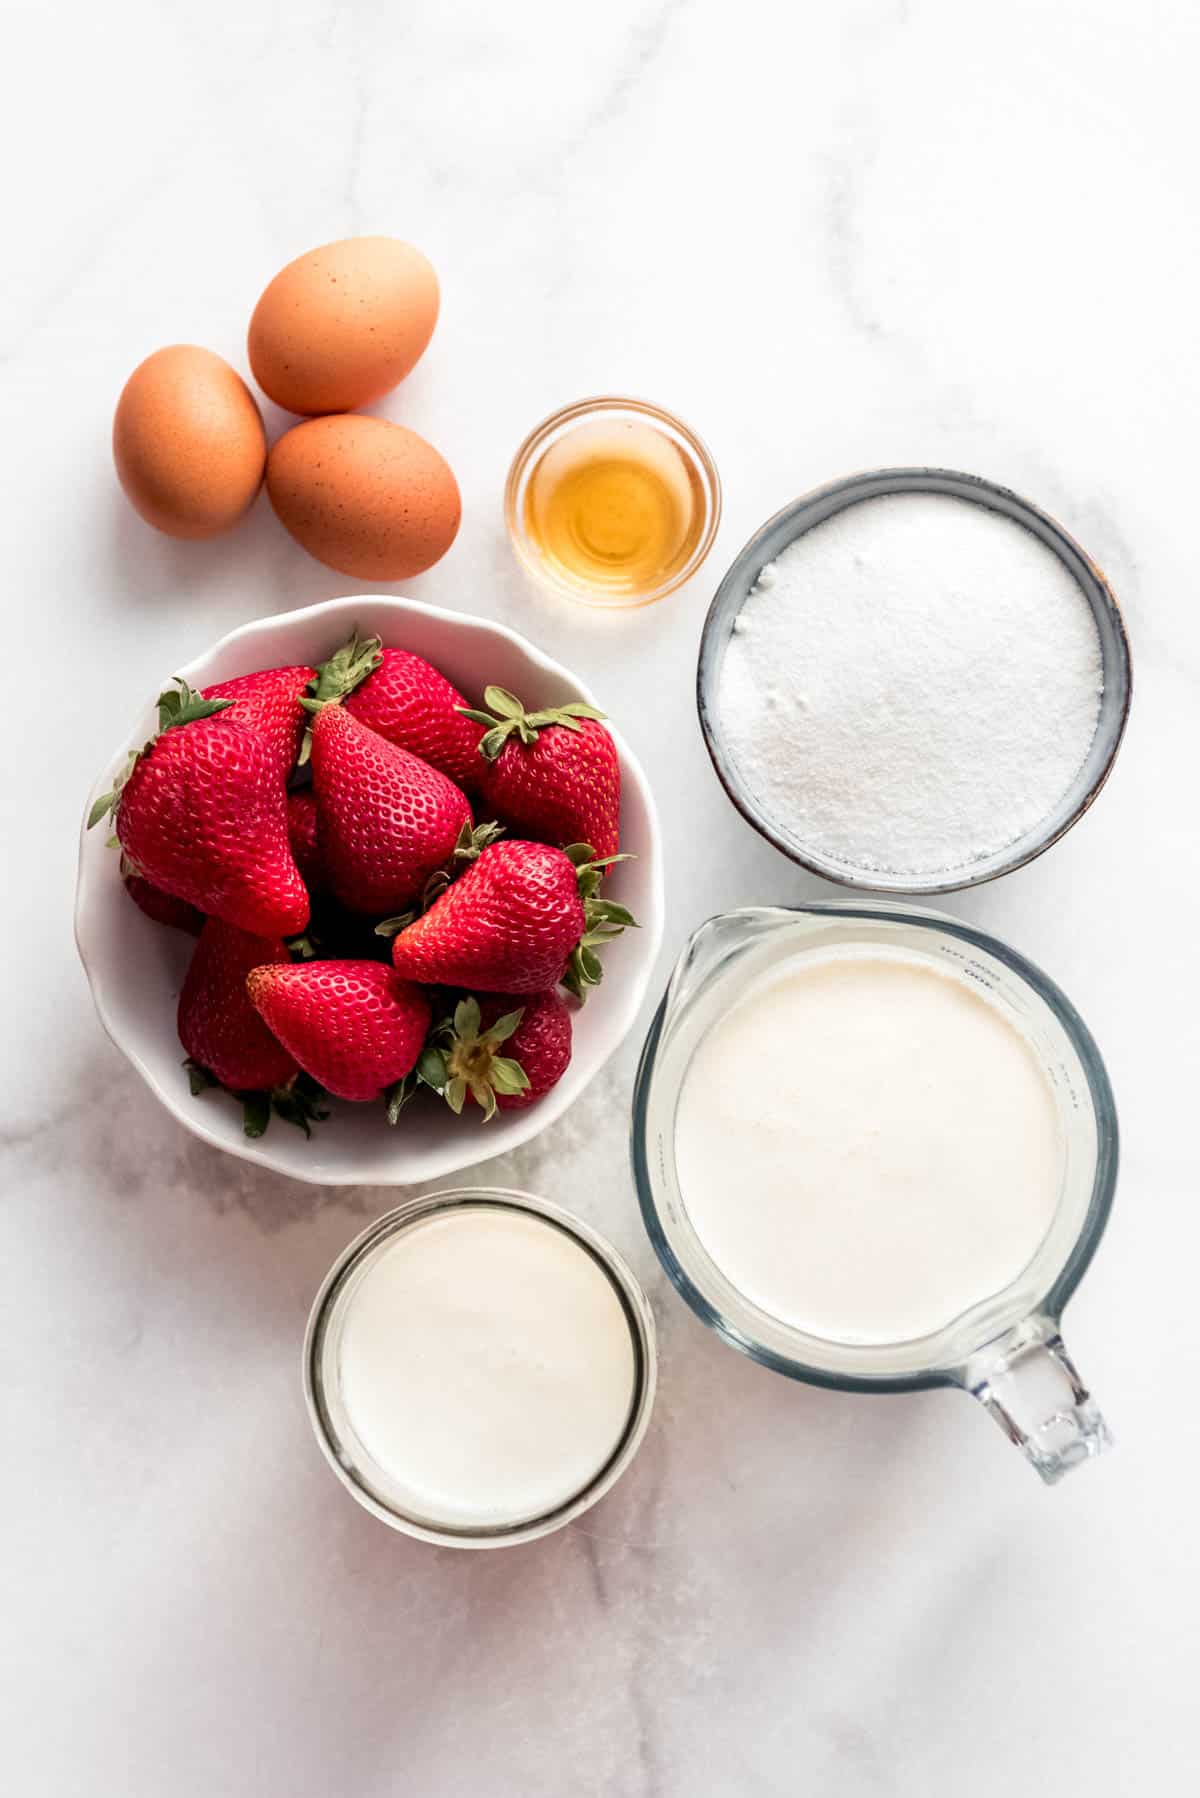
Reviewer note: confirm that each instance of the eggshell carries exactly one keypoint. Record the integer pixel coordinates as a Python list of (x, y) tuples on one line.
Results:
[(363, 496), (188, 442), (343, 324)]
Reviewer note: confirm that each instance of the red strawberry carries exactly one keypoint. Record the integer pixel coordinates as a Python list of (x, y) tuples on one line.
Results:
[(353, 1025), (512, 923), (302, 837), (386, 819), (161, 906), (218, 1026), (268, 703), (202, 813), (552, 774), (540, 1042), (465, 1058), (410, 703)]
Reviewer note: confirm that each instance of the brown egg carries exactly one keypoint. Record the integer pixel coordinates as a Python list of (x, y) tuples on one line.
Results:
[(188, 442), (363, 496), (341, 325)]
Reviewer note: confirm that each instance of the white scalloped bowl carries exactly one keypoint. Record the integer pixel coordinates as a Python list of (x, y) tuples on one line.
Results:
[(136, 967)]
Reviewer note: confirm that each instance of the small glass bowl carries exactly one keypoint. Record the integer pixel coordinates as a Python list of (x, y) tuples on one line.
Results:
[(334, 1430), (610, 410)]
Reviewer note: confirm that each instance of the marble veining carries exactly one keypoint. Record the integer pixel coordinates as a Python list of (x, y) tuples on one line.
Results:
[(831, 238)]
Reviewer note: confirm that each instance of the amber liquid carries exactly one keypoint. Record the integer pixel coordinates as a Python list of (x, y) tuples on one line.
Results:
[(614, 507)]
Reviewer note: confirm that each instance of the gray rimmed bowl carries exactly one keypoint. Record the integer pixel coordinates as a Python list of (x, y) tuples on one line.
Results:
[(813, 509)]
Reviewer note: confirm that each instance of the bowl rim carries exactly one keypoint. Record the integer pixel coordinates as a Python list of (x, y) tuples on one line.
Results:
[(520, 1127), (813, 508)]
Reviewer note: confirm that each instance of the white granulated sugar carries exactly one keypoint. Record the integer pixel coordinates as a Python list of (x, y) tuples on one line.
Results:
[(912, 685)]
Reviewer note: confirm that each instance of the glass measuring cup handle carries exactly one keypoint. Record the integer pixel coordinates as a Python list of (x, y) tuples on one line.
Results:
[(1030, 1385)]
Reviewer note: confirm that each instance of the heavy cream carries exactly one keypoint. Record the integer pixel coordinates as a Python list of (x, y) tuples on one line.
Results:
[(867, 1145), (486, 1365)]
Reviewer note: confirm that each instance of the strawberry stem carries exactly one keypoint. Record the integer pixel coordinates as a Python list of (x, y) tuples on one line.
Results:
[(603, 919), (460, 1058), (345, 669), (506, 717), (174, 708), (185, 706), (297, 1102), (388, 927), (472, 841), (337, 678)]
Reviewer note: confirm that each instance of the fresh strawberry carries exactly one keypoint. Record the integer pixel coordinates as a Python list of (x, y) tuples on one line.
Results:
[(218, 1026), (540, 1043), (227, 1042), (551, 774), (503, 1054), (353, 1025), (386, 819), (523, 917), (302, 838), (201, 812), (160, 906), (410, 703), (269, 704)]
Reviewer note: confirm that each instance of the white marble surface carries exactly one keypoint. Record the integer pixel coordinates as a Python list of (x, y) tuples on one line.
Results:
[(832, 236)]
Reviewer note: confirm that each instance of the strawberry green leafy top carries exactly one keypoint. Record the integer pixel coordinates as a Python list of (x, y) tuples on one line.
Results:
[(174, 708)]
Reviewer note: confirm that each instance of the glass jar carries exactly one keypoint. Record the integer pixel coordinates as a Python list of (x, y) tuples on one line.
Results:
[(384, 1489)]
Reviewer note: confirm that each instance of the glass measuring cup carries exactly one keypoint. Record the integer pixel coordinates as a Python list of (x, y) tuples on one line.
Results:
[(1006, 1347)]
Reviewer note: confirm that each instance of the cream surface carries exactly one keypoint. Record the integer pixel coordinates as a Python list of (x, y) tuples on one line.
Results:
[(866, 1145), (486, 1365)]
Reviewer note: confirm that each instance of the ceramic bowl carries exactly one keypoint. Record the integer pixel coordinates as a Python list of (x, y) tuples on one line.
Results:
[(801, 516), (136, 967)]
